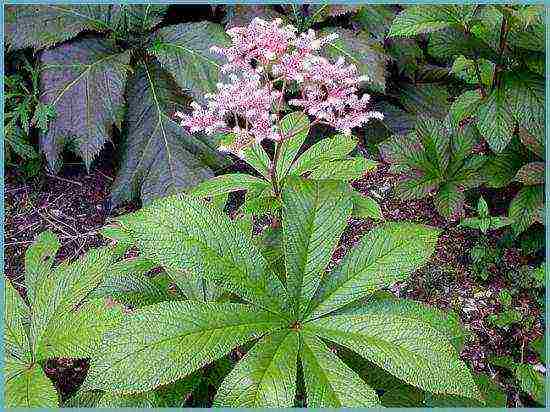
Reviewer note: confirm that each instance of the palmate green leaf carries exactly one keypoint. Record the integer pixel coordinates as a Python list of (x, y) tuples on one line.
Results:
[(417, 186), (425, 19), (446, 323), (485, 224), (531, 173), (227, 183), (346, 169), (358, 49), (265, 377), (482, 207), (114, 400), (524, 93), (41, 26), (493, 396), (315, 214), (16, 328), (366, 207), (66, 286), (183, 50), (396, 393), (502, 167), (127, 282), (449, 201), (425, 99), (184, 233), (376, 19), (495, 121), (295, 128), (78, 333), (270, 244), (467, 69), (387, 254), (449, 43), (39, 258), (464, 107), (406, 152), (528, 32), (326, 150), (180, 336), (330, 383), (193, 287), (532, 135), (531, 381), (408, 348), (256, 157), (527, 207), (262, 205), (160, 157), (137, 18), (435, 140), (31, 388), (84, 81)]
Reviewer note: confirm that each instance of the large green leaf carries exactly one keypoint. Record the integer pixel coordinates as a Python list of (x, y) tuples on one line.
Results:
[(16, 319), (424, 99), (227, 183), (330, 383), (525, 97), (407, 348), (30, 389), (447, 323), (315, 214), (189, 234), (38, 261), (184, 51), (429, 18), (160, 157), (346, 169), (436, 141), (41, 26), (295, 128), (366, 207), (449, 201), (137, 18), (179, 336), (63, 289), (495, 121), (78, 333), (527, 207), (387, 254), (265, 377), (256, 157), (128, 282), (376, 19), (328, 149), (115, 400), (363, 52), (464, 106), (84, 81), (531, 173)]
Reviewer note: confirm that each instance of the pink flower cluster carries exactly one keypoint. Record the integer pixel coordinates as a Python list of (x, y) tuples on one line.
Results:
[(264, 59), (330, 96)]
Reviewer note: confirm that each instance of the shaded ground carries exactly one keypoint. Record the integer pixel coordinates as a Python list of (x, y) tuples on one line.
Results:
[(73, 205)]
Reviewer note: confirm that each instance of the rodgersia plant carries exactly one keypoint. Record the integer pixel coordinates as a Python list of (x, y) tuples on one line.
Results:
[(270, 71), (288, 315)]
